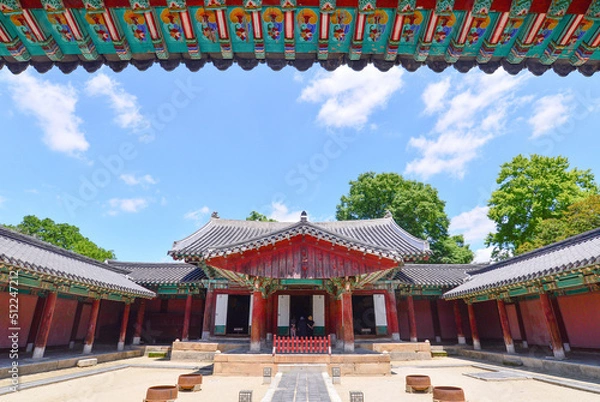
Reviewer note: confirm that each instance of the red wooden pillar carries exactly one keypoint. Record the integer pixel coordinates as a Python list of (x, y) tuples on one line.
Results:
[(473, 324), (339, 329), (269, 318), (185, 332), (412, 320), (524, 343), (333, 318), (207, 318), (124, 321), (561, 324), (139, 323), (91, 332), (258, 320), (35, 323), (347, 322), (392, 315), (275, 313), (552, 324), (459, 323), (75, 326), (508, 341), (46, 321), (435, 317)]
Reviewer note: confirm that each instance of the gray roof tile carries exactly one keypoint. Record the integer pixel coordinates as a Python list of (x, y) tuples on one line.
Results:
[(31, 254), (439, 275), (573, 253), (382, 237), (146, 273)]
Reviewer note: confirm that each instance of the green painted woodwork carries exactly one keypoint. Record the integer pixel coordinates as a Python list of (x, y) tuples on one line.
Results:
[(319, 331), (381, 330), (315, 282), (518, 292), (577, 291), (571, 281), (219, 329), (283, 331), (132, 26)]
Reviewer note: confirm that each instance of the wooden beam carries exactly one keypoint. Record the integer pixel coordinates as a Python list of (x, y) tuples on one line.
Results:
[(552, 325), (91, 332), (123, 332), (508, 341), (44, 330), (473, 325)]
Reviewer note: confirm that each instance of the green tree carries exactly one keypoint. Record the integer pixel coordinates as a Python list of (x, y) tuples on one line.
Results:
[(531, 190), (62, 235), (415, 206), (579, 217), (257, 216)]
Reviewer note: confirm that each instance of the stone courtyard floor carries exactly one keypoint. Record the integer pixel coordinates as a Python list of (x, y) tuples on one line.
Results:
[(127, 380)]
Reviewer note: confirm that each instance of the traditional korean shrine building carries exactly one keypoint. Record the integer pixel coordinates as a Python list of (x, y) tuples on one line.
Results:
[(539, 35), (247, 281)]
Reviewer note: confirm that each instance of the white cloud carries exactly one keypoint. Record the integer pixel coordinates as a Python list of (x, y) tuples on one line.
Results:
[(467, 116), (128, 205), (483, 255), (197, 215), (124, 104), (133, 180), (434, 96), (549, 113), (281, 213), (474, 225), (348, 97), (53, 108)]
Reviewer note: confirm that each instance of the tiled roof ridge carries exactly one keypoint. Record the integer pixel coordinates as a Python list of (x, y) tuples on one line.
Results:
[(444, 266), (569, 241), (33, 241), (173, 263)]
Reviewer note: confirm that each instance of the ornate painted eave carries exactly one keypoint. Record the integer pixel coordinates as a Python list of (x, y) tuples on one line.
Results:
[(538, 35)]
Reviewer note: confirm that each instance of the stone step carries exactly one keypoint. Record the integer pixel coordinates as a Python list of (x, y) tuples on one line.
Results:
[(311, 368)]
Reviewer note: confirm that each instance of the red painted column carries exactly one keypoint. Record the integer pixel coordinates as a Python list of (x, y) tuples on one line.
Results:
[(412, 320), (139, 323), (459, 323), (124, 321), (508, 341), (435, 317), (185, 332), (46, 321), (561, 324), (339, 329), (473, 324), (392, 315), (347, 322), (552, 324), (333, 318), (91, 332), (207, 318), (524, 343), (275, 312), (269, 318), (35, 323), (75, 326), (258, 320)]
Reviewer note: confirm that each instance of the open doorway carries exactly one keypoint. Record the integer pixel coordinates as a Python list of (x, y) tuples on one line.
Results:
[(300, 306), (238, 312), (363, 310)]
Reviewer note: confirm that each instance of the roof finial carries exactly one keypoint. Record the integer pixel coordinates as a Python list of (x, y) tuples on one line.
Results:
[(214, 215), (388, 214), (303, 217)]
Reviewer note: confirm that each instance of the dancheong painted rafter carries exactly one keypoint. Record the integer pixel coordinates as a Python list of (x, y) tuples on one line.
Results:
[(561, 35)]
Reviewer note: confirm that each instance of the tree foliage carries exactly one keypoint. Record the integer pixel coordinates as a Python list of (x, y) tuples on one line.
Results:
[(415, 206), (531, 190), (257, 216), (62, 235), (579, 217)]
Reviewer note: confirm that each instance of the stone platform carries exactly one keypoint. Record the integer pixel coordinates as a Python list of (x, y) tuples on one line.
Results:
[(233, 364), (400, 351), (201, 351)]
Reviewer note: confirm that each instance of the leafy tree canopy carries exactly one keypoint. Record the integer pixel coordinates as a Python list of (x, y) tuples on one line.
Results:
[(579, 217), (531, 190), (257, 216), (415, 206), (62, 235)]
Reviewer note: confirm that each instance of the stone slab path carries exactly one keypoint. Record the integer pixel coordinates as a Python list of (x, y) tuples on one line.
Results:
[(301, 386)]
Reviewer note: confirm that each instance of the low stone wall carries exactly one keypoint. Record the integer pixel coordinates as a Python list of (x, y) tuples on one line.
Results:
[(402, 351), (253, 364)]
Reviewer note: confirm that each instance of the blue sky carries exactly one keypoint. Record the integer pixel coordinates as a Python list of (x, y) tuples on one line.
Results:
[(138, 160)]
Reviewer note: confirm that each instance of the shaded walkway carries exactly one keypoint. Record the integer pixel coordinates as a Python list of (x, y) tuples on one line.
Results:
[(301, 386)]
